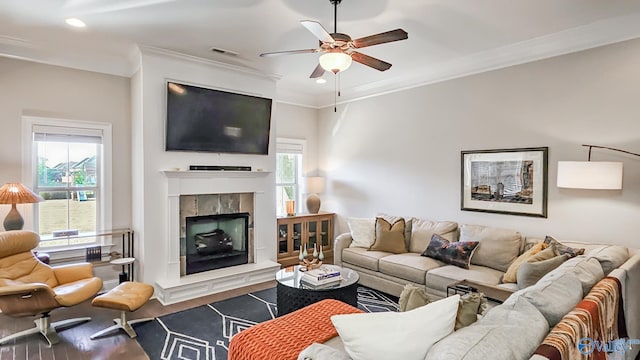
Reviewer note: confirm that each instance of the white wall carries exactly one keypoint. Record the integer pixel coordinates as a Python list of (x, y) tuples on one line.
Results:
[(400, 153), (299, 122), (148, 124), (32, 89)]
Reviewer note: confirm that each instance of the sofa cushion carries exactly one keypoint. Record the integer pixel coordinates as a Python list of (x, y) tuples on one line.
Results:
[(389, 236), (498, 247), (363, 232), (423, 230), (397, 335), (562, 248), (511, 275), (530, 272), (439, 278), (588, 271), (609, 256), (506, 332), (453, 253), (363, 257), (552, 298), (408, 266)]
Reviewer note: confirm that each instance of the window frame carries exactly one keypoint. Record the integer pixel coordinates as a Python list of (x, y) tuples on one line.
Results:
[(29, 176), (296, 147)]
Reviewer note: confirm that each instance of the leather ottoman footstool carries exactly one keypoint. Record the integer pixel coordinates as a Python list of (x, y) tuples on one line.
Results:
[(126, 297)]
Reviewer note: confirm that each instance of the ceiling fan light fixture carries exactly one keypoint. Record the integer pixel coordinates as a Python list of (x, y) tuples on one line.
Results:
[(335, 61), (321, 81), (75, 22)]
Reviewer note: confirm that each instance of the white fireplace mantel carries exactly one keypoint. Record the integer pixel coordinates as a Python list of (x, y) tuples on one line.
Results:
[(174, 288)]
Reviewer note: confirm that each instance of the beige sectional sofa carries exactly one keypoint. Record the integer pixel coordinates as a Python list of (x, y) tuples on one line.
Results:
[(388, 272), (514, 329)]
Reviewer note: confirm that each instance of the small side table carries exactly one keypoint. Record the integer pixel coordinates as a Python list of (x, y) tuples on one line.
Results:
[(124, 276), (491, 292)]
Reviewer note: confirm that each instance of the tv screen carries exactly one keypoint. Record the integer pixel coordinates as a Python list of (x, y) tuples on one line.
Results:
[(200, 119)]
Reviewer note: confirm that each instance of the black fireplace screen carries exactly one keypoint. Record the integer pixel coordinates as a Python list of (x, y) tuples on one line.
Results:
[(216, 241)]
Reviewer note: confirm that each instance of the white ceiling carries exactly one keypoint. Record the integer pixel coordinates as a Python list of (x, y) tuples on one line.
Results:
[(447, 38)]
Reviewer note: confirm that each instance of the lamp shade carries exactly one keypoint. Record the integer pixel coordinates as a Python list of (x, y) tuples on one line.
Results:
[(335, 61), (16, 193), (315, 184), (596, 175)]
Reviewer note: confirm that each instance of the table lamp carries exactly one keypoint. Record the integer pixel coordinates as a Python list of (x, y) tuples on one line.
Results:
[(16, 193), (315, 185)]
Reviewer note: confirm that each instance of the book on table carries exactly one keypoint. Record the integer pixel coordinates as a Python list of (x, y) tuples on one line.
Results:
[(322, 275), (329, 285)]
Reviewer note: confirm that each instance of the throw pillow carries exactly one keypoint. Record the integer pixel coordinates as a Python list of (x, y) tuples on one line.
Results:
[(317, 351), (397, 335), (546, 254), (413, 297), (563, 249), (471, 305), (610, 256), (512, 272), (453, 253), (363, 232), (408, 222), (530, 272), (389, 237), (498, 247)]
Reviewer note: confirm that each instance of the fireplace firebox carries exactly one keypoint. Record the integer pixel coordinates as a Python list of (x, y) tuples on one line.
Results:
[(216, 241)]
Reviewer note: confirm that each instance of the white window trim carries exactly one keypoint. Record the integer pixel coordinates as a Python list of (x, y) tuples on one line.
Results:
[(28, 171), (283, 145)]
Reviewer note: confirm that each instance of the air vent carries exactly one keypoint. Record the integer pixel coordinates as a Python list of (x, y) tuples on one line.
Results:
[(223, 51)]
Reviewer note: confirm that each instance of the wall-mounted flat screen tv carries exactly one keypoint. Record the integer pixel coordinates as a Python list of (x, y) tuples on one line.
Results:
[(200, 119)]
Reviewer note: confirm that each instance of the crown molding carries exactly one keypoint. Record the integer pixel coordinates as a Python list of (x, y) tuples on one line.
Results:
[(144, 49), (596, 34)]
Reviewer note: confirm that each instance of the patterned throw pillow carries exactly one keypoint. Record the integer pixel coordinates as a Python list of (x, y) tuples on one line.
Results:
[(563, 249), (453, 253)]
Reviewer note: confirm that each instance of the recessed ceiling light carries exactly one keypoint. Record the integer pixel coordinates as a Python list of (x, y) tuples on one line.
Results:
[(320, 81), (75, 22)]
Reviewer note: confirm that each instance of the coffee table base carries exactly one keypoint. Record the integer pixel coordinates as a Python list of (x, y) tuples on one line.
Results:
[(291, 299)]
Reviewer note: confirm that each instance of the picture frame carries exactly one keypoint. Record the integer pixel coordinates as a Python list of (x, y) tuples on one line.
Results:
[(505, 181)]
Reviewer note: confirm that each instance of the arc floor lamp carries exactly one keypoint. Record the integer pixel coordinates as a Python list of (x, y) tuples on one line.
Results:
[(596, 175)]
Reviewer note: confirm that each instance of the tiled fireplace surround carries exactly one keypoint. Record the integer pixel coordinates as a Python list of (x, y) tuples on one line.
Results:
[(194, 193)]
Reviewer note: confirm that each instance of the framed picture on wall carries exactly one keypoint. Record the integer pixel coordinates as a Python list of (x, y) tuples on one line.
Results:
[(505, 181)]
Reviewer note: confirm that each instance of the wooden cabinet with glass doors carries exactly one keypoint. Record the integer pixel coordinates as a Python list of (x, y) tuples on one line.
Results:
[(310, 229)]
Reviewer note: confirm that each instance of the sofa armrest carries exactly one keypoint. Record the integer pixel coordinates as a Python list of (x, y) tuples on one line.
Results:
[(73, 272), (342, 241), (631, 295)]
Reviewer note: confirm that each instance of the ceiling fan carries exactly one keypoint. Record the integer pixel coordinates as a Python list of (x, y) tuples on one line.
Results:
[(339, 50)]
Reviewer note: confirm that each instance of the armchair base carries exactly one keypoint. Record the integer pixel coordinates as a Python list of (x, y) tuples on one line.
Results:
[(45, 327)]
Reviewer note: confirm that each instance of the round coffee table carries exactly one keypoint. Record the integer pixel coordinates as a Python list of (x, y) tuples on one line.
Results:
[(292, 294)]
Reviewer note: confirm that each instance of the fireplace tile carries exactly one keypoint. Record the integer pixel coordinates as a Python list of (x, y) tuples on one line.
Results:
[(209, 204), (229, 203)]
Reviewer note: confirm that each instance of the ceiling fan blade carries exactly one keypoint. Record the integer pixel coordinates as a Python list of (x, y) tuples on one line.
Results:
[(317, 30), (290, 52), (317, 72), (370, 61), (385, 37)]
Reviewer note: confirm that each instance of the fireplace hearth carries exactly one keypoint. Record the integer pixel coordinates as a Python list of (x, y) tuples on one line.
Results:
[(216, 241)]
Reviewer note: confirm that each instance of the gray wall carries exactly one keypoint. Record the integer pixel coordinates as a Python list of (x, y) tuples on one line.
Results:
[(400, 153)]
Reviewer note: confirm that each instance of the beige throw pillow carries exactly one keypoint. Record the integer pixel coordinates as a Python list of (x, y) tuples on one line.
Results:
[(363, 232), (530, 272), (471, 305), (389, 237), (511, 276), (413, 297)]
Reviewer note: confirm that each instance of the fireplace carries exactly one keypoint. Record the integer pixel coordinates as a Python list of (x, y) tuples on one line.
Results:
[(216, 241)]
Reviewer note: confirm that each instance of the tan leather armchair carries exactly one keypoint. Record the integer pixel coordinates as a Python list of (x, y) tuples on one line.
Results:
[(29, 287)]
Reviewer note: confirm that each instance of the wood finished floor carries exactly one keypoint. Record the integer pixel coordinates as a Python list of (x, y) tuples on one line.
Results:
[(75, 343)]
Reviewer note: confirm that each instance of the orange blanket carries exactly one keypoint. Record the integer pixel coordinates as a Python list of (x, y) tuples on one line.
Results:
[(285, 337), (599, 316)]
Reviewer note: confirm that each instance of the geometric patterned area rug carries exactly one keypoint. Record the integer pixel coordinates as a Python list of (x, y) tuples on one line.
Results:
[(204, 332)]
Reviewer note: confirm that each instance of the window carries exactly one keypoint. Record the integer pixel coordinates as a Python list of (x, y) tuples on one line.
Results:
[(288, 172), (68, 167)]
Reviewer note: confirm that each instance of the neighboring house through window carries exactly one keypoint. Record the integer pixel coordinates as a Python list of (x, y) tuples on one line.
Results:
[(69, 165), (289, 154)]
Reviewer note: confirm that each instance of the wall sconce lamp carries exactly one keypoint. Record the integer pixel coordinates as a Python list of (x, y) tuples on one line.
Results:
[(315, 185), (595, 175), (16, 193)]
